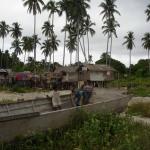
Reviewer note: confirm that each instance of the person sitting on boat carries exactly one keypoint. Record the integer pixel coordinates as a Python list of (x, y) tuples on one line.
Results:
[(87, 92), (78, 96), (56, 101)]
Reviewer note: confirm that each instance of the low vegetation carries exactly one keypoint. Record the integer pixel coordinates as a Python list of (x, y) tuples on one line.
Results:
[(88, 132), (135, 86), (140, 109)]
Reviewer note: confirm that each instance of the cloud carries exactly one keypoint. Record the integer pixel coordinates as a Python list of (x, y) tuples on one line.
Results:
[(132, 19)]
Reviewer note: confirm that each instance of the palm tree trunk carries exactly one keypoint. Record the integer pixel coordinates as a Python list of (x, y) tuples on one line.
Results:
[(70, 58), (24, 57), (107, 49), (34, 38), (2, 54), (64, 44), (110, 49), (52, 36), (130, 64), (83, 51), (78, 40), (149, 60), (50, 60), (88, 45), (53, 58)]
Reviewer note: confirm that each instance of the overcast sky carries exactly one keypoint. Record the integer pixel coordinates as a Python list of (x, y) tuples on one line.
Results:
[(132, 19)]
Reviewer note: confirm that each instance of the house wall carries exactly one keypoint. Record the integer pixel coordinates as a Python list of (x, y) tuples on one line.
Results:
[(73, 76), (97, 76), (101, 76)]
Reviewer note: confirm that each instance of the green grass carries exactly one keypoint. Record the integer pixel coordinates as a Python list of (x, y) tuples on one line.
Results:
[(140, 91), (136, 86), (88, 132), (140, 109)]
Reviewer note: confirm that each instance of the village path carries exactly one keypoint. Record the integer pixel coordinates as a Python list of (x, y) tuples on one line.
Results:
[(104, 94)]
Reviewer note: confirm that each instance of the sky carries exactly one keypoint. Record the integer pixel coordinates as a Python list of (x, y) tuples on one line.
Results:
[(132, 18)]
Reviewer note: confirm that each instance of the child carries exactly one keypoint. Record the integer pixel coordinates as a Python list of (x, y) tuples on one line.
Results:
[(56, 101)]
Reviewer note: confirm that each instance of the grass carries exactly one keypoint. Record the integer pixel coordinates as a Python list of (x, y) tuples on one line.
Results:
[(88, 132), (140, 109), (140, 91), (136, 86)]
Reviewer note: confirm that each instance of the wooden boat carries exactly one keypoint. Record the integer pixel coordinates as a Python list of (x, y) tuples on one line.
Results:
[(22, 118)]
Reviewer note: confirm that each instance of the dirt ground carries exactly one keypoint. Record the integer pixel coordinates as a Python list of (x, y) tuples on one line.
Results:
[(99, 94), (102, 94)]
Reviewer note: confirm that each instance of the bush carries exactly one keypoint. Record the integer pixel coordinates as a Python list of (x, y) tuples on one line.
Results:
[(88, 132)]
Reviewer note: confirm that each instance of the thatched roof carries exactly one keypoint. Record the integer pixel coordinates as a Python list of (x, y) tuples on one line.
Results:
[(90, 67), (99, 67), (67, 69)]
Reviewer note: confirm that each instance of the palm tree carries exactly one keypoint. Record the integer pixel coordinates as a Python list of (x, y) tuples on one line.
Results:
[(34, 8), (4, 30), (46, 47), (147, 12), (16, 45), (47, 29), (88, 29), (109, 28), (16, 30), (129, 42), (27, 45), (109, 9), (146, 45), (77, 14), (35, 40), (71, 44), (64, 6), (54, 44), (52, 8)]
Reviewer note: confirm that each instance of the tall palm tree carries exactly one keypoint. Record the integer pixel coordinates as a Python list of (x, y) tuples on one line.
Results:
[(108, 11), (27, 45), (146, 45), (16, 30), (34, 7), (47, 29), (35, 40), (46, 47), (71, 44), (54, 44), (78, 12), (64, 6), (88, 29), (129, 42), (4, 30), (52, 8), (147, 12), (16, 45), (109, 28)]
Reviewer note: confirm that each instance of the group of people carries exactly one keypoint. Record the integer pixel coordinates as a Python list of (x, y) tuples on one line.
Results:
[(80, 96), (83, 94)]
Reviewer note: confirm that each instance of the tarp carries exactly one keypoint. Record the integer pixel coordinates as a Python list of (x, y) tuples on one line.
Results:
[(21, 76)]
